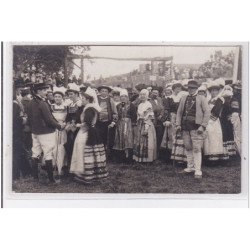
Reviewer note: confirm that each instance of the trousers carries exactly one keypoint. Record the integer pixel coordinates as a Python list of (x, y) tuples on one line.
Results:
[(193, 144), (43, 144)]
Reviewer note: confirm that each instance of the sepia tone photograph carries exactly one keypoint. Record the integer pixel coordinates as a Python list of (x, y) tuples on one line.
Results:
[(127, 119)]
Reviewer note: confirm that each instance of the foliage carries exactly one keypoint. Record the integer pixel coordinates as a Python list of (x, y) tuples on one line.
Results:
[(45, 59)]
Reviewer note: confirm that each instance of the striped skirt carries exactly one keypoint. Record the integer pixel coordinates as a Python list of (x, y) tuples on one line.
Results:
[(178, 149), (88, 161)]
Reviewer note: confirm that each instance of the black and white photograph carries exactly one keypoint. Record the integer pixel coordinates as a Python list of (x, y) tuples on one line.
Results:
[(126, 118), (124, 125)]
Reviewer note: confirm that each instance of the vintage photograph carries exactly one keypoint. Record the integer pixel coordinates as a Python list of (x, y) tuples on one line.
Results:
[(130, 119)]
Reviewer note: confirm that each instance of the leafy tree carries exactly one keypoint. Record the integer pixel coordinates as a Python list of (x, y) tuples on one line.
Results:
[(46, 59)]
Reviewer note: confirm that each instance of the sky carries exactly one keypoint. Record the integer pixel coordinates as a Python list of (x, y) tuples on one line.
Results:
[(106, 68)]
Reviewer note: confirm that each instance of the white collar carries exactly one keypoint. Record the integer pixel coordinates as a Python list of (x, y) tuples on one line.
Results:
[(103, 98)]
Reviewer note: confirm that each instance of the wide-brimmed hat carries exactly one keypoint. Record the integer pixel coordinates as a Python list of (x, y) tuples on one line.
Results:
[(104, 87), (59, 90), (213, 85), (193, 84), (176, 85), (220, 81), (72, 87), (40, 86)]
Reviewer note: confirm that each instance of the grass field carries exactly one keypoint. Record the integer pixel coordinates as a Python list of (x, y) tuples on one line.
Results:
[(158, 177)]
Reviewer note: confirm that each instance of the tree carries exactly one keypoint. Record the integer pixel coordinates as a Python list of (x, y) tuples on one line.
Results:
[(46, 59)]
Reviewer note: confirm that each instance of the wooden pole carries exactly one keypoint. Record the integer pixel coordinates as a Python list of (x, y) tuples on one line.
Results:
[(65, 72), (82, 71)]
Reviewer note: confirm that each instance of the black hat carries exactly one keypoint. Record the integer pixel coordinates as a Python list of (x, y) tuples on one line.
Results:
[(155, 88), (25, 91), (39, 86), (104, 87), (193, 84)]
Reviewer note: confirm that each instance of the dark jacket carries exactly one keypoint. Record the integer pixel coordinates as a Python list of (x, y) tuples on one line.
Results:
[(25, 102), (158, 109), (40, 119), (112, 111), (130, 112), (17, 123)]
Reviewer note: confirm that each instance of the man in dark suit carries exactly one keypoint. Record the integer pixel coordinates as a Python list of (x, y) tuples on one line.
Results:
[(42, 125)]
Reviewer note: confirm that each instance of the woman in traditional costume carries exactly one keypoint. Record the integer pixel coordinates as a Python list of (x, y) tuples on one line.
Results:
[(73, 117), (178, 149), (167, 139), (229, 109), (213, 143), (88, 161), (59, 111), (124, 137), (145, 148)]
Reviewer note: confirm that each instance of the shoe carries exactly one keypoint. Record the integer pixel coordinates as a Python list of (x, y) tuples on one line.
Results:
[(49, 167), (82, 181), (197, 176), (189, 169)]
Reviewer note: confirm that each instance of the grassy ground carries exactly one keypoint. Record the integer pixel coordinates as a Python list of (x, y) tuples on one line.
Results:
[(158, 177)]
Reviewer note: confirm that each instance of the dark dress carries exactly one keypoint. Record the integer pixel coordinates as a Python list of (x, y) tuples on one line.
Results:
[(89, 157), (227, 127), (159, 117), (124, 134), (73, 117)]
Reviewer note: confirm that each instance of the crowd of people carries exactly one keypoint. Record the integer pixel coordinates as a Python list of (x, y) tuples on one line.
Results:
[(218, 65), (75, 132)]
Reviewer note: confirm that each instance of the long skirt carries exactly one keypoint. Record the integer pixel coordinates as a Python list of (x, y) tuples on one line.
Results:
[(59, 152), (145, 148), (124, 135), (167, 139), (213, 143), (178, 148), (88, 161), (69, 145), (228, 137)]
